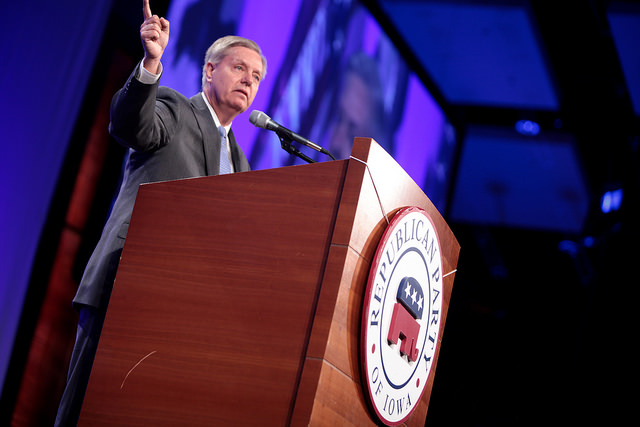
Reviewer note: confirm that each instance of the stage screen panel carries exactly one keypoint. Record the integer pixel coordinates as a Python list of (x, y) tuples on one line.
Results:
[(333, 75)]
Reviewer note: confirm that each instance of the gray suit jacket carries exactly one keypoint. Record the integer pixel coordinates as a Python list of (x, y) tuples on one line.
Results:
[(169, 137)]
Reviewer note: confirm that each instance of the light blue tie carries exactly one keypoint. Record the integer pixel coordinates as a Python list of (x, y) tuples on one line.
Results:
[(225, 166)]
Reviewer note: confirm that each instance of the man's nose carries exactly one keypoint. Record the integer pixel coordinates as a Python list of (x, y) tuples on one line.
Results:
[(247, 79)]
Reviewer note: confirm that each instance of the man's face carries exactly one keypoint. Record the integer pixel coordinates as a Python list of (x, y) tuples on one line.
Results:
[(232, 84)]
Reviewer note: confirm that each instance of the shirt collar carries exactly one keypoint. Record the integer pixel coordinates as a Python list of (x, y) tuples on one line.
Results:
[(213, 114)]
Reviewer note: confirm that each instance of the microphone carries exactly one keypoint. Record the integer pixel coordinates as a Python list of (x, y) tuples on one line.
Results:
[(261, 120)]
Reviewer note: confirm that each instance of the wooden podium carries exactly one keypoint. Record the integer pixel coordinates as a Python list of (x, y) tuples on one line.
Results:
[(238, 299)]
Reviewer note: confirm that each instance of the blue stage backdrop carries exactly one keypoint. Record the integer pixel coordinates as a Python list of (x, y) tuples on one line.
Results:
[(48, 50)]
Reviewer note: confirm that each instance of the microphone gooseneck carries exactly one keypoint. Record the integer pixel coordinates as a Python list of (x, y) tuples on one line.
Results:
[(261, 120)]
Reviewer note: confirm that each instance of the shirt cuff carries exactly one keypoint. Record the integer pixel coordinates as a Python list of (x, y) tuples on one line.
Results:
[(147, 77)]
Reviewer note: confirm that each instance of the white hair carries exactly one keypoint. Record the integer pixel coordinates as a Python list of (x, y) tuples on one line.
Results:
[(218, 50)]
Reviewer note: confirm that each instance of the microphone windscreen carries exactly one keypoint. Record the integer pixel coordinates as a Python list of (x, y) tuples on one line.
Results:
[(259, 119)]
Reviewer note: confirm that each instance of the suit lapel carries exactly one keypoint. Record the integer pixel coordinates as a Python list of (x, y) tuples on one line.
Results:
[(211, 140), (210, 135)]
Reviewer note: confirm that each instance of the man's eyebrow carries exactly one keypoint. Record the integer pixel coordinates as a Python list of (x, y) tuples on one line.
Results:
[(245, 63)]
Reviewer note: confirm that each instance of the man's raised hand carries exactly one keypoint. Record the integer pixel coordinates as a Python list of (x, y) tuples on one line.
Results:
[(154, 33)]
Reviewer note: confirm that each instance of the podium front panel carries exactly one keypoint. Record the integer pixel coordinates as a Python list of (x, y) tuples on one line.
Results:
[(214, 299)]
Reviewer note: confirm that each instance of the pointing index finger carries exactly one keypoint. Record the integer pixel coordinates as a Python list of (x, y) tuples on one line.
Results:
[(146, 9)]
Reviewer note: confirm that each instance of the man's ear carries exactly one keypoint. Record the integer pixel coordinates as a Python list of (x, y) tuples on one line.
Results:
[(210, 67)]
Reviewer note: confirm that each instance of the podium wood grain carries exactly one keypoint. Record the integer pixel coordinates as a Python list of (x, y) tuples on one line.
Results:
[(238, 298)]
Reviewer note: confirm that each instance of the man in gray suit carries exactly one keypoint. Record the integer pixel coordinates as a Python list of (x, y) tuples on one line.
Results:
[(169, 137)]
